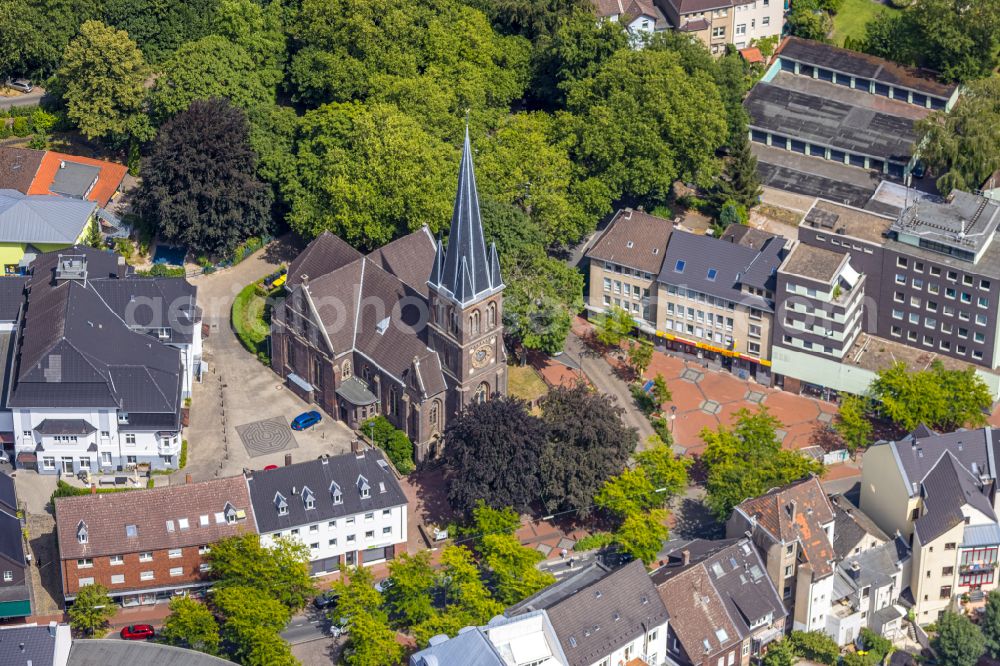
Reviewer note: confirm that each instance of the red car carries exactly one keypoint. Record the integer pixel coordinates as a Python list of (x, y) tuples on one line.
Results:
[(138, 632)]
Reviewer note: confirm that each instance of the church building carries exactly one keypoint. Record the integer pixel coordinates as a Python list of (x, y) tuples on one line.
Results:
[(412, 330)]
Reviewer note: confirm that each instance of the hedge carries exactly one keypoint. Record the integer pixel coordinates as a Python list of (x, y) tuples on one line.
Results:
[(394, 442)]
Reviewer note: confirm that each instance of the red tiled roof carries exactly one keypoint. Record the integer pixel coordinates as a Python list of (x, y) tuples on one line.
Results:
[(108, 180), (752, 54)]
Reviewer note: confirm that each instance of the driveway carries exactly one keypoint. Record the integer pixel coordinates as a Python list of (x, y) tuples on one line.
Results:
[(238, 389), (27, 99)]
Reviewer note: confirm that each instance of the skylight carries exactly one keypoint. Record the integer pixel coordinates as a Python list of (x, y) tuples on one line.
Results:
[(679, 266), (712, 273), (721, 634)]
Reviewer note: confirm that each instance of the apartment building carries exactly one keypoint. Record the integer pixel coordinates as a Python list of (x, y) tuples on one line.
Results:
[(624, 261), (724, 609), (866, 591), (853, 531), (939, 493), (526, 639), (931, 283), (348, 509), (715, 298), (793, 527), (756, 20), (710, 21), (641, 18), (146, 546), (604, 617)]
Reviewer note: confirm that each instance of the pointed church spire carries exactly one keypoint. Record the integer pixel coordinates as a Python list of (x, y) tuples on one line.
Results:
[(466, 272)]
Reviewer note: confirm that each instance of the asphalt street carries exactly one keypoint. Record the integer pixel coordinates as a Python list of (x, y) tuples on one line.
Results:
[(28, 99)]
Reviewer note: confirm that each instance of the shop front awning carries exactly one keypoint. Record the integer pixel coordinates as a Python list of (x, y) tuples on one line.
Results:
[(300, 382)]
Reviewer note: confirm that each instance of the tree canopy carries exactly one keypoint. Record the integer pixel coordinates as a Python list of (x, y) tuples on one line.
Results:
[(191, 625), (280, 570), (959, 642), (990, 624), (91, 610), (747, 460), (200, 188), (939, 398)]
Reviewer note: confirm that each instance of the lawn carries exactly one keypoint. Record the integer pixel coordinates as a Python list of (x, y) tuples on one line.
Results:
[(850, 21), (251, 321), (524, 383)]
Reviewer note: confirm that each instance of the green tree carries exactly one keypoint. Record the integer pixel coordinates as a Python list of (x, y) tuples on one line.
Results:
[(781, 653), (628, 493), (34, 34), (956, 145), (94, 235), (875, 644), (587, 444), (103, 77), (281, 570), (262, 647), (747, 460), (160, 26), (642, 534), (852, 422), (612, 326), (200, 188), (371, 641), (640, 355), (213, 66), (191, 625), (368, 173), (409, 598), (492, 450), (815, 646), (942, 399), (91, 610), (530, 18), (511, 568), (248, 606), (660, 391), (641, 122), (808, 21), (958, 642), (740, 182), (397, 446), (990, 624), (258, 28), (664, 469)]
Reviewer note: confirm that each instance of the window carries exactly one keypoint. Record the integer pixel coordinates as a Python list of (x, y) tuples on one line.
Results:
[(766, 21), (332, 542), (788, 571), (130, 438), (313, 528), (386, 512), (117, 579), (902, 262), (350, 538), (370, 516), (48, 462), (949, 546), (946, 591), (900, 278), (146, 575), (84, 563), (204, 568), (174, 553), (314, 546), (718, 32), (83, 582), (741, 29), (948, 571), (146, 557), (370, 534), (386, 530), (204, 550)]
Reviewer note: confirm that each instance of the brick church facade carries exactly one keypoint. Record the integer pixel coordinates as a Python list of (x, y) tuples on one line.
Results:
[(412, 331)]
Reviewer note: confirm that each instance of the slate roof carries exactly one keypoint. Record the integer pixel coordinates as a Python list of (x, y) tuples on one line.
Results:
[(603, 615), (852, 527), (396, 346), (11, 296), (747, 236), (149, 304), (51, 178), (319, 476), (863, 65), (410, 258), (42, 219), (465, 272), (946, 489), (918, 453), (97, 652), (8, 494), (812, 509), (64, 427), (719, 268), (18, 167), (469, 647), (324, 254), (156, 515), (39, 646), (635, 239), (11, 543), (875, 567)]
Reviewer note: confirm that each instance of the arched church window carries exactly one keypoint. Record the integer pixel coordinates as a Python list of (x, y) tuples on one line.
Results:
[(482, 393), (491, 316), (474, 321), (348, 370)]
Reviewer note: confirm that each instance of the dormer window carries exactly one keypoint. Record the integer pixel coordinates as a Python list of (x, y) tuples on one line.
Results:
[(338, 498), (281, 504), (81, 532), (230, 513), (122, 418), (364, 488), (308, 499)]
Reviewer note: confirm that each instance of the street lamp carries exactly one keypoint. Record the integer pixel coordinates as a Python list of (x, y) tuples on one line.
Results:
[(673, 415)]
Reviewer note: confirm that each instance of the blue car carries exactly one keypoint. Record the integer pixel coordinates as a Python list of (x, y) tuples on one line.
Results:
[(306, 420)]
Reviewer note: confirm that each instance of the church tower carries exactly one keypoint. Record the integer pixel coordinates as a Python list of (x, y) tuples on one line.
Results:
[(466, 299)]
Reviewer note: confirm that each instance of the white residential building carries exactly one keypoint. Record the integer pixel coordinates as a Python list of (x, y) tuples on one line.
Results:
[(756, 20), (348, 509), (521, 641)]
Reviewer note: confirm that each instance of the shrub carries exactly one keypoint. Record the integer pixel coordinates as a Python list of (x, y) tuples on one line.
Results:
[(594, 541), (183, 461), (162, 270), (251, 330), (643, 400), (815, 646), (4, 128), (38, 142), (21, 126), (875, 645), (397, 446)]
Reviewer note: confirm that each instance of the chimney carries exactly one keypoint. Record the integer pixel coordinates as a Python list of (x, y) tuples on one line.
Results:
[(357, 447), (187, 479), (93, 489), (685, 557), (288, 459), (304, 278), (122, 267), (855, 569), (52, 629), (792, 505), (325, 458)]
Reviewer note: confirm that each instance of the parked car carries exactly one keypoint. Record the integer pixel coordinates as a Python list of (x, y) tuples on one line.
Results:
[(306, 420), (24, 85), (383, 584), (338, 628), (268, 468), (919, 169), (326, 600), (138, 632)]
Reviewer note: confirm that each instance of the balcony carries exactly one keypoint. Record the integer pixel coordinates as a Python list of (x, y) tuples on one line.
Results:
[(977, 567)]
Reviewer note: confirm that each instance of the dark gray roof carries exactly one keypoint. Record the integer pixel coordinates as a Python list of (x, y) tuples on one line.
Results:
[(946, 489), (11, 296), (324, 254), (872, 567), (74, 179), (11, 542), (965, 221), (606, 614), (410, 258), (917, 454), (745, 235), (355, 392), (561, 589), (719, 268), (100, 264), (741, 579), (465, 271), (149, 305), (852, 527), (635, 239), (782, 177), (864, 66), (781, 108), (39, 646), (64, 427), (8, 493), (104, 652), (347, 471)]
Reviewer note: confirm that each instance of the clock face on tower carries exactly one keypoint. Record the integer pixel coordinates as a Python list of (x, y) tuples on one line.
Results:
[(482, 355)]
